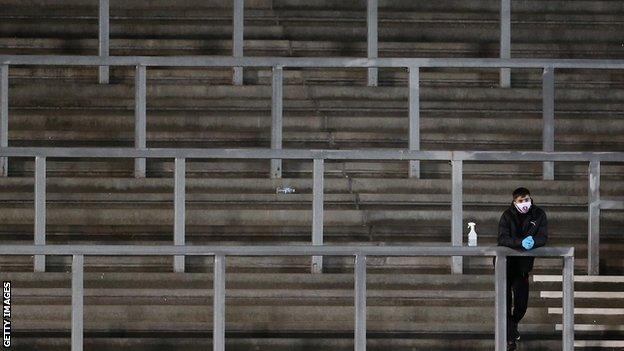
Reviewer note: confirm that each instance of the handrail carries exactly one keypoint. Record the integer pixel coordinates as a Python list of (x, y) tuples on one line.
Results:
[(360, 252), (307, 62), (281, 250), (595, 204), (413, 65), (328, 154), (277, 64)]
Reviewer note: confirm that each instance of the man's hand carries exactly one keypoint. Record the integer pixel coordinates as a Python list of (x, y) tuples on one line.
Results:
[(528, 242)]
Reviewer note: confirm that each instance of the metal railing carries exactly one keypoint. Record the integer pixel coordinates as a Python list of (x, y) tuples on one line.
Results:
[(360, 252), (372, 44), (318, 157), (278, 64)]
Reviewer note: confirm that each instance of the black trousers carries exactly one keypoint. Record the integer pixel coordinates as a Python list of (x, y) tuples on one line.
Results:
[(517, 297)]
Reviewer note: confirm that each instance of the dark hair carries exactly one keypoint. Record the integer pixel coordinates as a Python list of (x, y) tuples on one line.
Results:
[(520, 192)]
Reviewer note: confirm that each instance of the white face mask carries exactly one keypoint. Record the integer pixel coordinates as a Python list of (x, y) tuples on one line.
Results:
[(523, 207)]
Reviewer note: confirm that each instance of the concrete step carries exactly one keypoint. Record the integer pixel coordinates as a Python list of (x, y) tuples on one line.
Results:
[(610, 261), (596, 315), (582, 279), (311, 76), (597, 307), (292, 313), (593, 327), (591, 311), (532, 330), (100, 215), (122, 95), (426, 308), (371, 190), (188, 128), (283, 342), (157, 4), (474, 25), (294, 48), (119, 292), (611, 344), (599, 295), (527, 329), (81, 215), (404, 281), (373, 170), (310, 140), (564, 30), (338, 121), (275, 318), (532, 6), (363, 200)]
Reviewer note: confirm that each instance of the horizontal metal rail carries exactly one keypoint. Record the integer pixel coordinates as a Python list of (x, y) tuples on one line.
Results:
[(359, 252), (372, 37), (327, 154), (306, 62), (276, 154), (595, 204), (280, 250)]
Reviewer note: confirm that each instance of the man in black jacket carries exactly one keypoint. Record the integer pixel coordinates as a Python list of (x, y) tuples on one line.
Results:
[(523, 226)]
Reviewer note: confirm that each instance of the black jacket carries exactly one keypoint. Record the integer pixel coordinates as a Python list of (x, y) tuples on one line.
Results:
[(511, 232)]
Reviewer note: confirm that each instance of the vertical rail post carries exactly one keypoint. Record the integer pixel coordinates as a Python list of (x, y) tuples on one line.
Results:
[(40, 210), (179, 211), (277, 104), (360, 302), (317, 212), (371, 23), (456, 213), (4, 117), (568, 303), (505, 41), (500, 276), (218, 334), (104, 39), (140, 106), (237, 39), (593, 225), (414, 119), (548, 117), (77, 303)]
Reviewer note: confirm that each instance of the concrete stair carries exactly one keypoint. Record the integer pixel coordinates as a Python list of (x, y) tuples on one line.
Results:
[(365, 211), (66, 112), (589, 29), (273, 303), (266, 309), (598, 308)]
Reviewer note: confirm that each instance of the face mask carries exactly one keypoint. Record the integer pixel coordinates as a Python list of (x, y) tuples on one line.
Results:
[(523, 207)]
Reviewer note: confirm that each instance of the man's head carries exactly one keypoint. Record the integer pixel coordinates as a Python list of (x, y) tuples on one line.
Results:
[(522, 199), (520, 194)]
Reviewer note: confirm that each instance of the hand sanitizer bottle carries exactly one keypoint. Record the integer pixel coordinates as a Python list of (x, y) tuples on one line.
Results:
[(472, 235)]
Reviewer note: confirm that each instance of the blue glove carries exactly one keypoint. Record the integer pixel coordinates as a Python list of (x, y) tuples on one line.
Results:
[(528, 242)]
